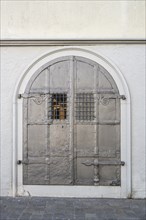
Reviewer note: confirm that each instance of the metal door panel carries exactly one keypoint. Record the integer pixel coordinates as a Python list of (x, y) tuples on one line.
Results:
[(103, 82), (59, 75), (84, 132), (84, 71), (107, 109), (61, 171), (85, 174), (108, 136), (86, 140), (37, 112), (34, 159), (83, 147), (37, 140), (109, 175), (40, 84), (107, 153), (36, 174), (59, 140)]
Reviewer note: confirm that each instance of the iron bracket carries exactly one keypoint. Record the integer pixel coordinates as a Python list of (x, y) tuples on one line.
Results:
[(19, 96), (122, 163), (19, 162)]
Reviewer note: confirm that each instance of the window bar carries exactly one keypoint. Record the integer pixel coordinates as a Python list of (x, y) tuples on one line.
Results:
[(53, 101), (63, 106), (58, 107), (52, 110), (79, 116), (85, 114), (90, 104), (55, 106), (64, 103), (82, 114), (91, 108), (82, 107), (79, 105), (87, 107), (66, 108)]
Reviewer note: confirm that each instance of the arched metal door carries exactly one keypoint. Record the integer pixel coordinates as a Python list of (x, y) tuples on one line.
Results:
[(71, 125)]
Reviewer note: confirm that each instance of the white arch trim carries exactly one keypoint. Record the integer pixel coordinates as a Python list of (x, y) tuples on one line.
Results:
[(125, 190)]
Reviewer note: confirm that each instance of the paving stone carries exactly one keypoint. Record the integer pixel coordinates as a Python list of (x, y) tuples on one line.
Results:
[(25, 216), (91, 216), (40, 208)]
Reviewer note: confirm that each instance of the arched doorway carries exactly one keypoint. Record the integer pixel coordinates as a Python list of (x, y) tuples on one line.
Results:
[(72, 126)]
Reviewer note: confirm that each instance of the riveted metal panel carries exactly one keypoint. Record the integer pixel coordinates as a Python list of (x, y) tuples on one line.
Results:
[(36, 111), (80, 143), (40, 84), (85, 174), (36, 174), (109, 175), (37, 140), (107, 137), (107, 108), (61, 171), (59, 140), (85, 140), (59, 75), (84, 71), (85, 112)]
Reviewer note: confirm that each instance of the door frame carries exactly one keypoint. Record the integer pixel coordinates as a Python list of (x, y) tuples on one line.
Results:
[(123, 191)]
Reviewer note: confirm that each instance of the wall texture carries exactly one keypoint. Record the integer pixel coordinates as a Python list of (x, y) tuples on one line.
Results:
[(102, 19), (130, 59)]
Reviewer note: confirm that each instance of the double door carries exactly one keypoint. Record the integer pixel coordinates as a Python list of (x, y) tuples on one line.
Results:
[(71, 117)]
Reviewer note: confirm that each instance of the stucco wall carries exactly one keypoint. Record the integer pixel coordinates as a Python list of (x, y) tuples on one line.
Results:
[(33, 19), (130, 59)]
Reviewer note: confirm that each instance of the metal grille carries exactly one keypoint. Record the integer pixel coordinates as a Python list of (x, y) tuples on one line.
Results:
[(59, 106), (84, 106)]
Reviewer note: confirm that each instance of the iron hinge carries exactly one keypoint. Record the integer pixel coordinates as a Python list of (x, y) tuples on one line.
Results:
[(123, 97)]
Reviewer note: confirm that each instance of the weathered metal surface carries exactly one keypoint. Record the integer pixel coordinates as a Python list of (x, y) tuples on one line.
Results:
[(59, 75), (59, 140), (80, 143)]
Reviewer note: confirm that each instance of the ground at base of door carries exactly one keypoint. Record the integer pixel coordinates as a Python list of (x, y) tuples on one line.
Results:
[(44, 208)]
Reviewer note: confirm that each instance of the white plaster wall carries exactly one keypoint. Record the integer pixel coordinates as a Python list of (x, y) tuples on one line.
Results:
[(130, 59), (68, 19)]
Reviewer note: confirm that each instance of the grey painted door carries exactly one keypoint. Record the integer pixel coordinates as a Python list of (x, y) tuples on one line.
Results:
[(71, 125)]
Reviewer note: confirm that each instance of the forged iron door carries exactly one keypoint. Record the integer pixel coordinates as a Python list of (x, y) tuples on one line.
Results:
[(71, 125), (97, 126)]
